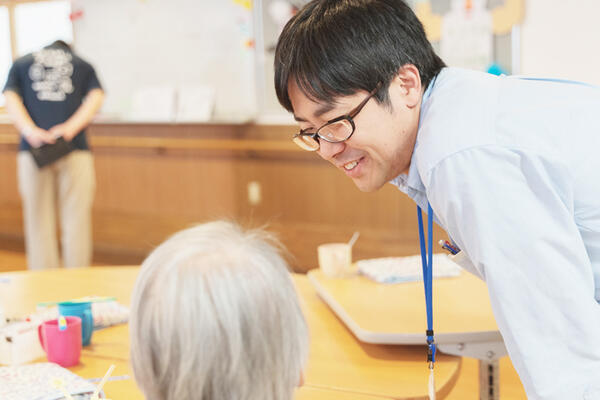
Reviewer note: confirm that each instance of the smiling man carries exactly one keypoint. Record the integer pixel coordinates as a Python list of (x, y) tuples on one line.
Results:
[(509, 166), (372, 160)]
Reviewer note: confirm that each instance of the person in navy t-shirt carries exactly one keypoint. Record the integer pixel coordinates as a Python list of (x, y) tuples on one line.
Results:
[(51, 94)]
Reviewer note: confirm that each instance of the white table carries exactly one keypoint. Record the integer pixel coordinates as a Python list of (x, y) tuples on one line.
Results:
[(395, 314)]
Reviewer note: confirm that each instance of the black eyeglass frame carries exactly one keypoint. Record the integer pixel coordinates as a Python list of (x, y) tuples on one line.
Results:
[(349, 117)]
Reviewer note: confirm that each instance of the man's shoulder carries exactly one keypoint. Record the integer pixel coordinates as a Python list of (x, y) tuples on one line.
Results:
[(460, 83), (81, 63), (456, 116), (460, 102), (24, 61)]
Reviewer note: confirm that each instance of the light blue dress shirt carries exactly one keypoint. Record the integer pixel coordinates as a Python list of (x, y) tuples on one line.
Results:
[(511, 167)]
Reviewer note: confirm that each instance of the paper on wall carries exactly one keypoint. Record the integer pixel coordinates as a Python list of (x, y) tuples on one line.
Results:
[(195, 103), (467, 38), (153, 104)]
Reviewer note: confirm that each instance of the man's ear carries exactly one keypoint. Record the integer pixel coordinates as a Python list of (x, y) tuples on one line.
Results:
[(408, 80)]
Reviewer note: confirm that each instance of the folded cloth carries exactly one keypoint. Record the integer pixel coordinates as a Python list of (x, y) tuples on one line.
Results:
[(105, 310), (49, 153), (406, 269)]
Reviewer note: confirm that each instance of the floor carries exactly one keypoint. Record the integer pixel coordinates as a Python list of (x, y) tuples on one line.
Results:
[(466, 386)]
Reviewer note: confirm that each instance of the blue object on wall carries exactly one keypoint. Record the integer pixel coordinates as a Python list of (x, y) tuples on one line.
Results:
[(496, 69)]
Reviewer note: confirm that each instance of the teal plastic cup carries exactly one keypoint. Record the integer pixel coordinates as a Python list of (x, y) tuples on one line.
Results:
[(82, 310)]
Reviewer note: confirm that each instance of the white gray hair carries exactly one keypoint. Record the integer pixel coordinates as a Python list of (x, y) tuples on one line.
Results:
[(214, 315)]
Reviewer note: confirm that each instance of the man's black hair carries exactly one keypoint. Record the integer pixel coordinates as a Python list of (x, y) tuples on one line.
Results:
[(61, 43), (334, 48)]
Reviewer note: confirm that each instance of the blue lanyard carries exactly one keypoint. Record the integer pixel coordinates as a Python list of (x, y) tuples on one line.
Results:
[(427, 262)]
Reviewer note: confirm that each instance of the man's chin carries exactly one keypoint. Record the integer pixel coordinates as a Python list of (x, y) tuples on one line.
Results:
[(367, 186)]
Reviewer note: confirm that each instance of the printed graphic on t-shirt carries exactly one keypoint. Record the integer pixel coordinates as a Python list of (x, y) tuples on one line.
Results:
[(51, 73)]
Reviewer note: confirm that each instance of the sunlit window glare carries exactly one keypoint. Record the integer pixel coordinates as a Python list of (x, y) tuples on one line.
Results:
[(5, 49)]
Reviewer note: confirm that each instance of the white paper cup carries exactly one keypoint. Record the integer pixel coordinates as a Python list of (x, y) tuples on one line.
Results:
[(335, 259)]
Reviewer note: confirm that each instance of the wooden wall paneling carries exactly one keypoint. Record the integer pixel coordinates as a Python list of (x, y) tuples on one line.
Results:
[(11, 226), (8, 175), (309, 202), (158, 193), (153, 180)]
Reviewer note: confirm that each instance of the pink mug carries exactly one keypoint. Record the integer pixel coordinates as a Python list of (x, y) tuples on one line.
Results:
[(61, 347)]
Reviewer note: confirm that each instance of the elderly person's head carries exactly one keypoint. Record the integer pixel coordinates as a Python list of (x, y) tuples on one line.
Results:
[(214, 315)]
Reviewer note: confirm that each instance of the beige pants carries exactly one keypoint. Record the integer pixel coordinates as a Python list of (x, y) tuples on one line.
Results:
[(66, 186)]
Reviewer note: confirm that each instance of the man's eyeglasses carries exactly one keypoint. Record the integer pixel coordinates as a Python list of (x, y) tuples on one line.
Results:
[(335, 130)]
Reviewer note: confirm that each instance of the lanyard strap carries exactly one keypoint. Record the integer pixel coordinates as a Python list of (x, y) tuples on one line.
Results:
[(427, 262)]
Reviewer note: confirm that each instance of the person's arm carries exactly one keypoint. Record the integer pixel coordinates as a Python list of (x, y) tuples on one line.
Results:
[(81, 118), (34, 135), (513, 216)]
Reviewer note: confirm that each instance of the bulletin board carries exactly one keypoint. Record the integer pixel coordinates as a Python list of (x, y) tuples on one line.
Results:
[(476, 34), (169, 61)]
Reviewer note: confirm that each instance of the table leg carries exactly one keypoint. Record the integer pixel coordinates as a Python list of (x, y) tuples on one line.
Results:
[(488, 354), (489, 380)]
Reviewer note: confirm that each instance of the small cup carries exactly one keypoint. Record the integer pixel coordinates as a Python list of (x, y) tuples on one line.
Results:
[(61, 347), (335, 259), (82, 310)]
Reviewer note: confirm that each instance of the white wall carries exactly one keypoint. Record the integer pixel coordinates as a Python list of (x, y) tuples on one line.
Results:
[(561, 39)]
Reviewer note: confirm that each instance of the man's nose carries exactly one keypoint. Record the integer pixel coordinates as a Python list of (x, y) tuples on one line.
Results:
[(328, 151)]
